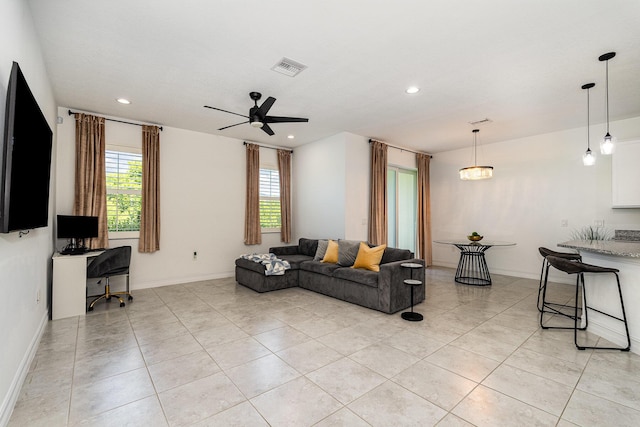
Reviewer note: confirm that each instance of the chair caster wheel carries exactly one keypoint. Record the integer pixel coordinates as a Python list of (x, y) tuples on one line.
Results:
[(90, 309), (121, 304), (130, 298), (108, 299)]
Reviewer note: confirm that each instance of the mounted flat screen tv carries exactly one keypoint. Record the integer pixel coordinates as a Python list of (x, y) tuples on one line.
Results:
[(25, 159)]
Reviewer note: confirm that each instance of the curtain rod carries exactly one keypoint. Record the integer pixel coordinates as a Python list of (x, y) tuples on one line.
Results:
[(119, 121), (268, 146), (402, 148)]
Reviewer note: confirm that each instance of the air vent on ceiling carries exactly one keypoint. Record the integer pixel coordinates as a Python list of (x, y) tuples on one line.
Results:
[(480, 122), (288, 67)]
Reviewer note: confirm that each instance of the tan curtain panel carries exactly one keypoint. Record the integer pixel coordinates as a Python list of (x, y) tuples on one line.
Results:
[(378, 198), (424, 209), (150, 212), (90, 196), (284, 169), (252, 231)]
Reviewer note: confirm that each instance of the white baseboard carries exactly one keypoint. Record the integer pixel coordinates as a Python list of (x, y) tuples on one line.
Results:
[(168, 282), (617, 338), (21, 373)]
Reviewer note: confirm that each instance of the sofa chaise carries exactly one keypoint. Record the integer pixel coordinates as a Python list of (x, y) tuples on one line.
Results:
[(382, 290)]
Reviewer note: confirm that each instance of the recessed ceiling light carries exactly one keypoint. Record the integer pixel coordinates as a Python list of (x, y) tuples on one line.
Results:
[(290, 136), (123, 101), (412, 89)]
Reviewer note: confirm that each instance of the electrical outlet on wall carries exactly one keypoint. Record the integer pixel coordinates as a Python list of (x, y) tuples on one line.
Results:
[(38, 296), (564, 223), (598, 223), (195, 255)]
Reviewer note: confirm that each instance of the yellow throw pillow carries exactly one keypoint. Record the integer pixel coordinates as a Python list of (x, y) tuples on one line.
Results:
[(331, 255), (369, 258)]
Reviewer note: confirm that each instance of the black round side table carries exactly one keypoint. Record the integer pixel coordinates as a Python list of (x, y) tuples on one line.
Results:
[(412, 316)]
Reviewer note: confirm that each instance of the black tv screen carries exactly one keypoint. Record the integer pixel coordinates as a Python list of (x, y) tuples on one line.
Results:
[(25, 159), (77, 227)]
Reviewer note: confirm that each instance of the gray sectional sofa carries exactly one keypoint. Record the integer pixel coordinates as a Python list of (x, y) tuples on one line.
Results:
[(383, 291)]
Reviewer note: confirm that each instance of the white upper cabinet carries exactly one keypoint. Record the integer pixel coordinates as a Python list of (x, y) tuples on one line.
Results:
[(625, 180)]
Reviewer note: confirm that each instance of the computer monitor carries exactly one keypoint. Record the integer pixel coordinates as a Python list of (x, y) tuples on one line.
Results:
[(76, 228)]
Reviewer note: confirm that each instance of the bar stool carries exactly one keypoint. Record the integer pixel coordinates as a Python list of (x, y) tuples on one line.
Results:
[(579, 268), (545, 252)]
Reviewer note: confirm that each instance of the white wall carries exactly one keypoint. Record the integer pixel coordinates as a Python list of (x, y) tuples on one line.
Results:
[(331, 193), (538, 181), (25, 262), (202, 196), (318, 196)]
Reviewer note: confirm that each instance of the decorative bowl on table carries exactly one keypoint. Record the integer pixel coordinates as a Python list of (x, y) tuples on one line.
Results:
[(475, 238)]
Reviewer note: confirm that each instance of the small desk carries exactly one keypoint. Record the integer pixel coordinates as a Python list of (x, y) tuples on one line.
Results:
[(69, 293), (472, 267)]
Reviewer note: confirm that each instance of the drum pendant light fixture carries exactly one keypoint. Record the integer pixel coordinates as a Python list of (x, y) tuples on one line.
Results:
[(608, 142), (476, 172), (588, 158)]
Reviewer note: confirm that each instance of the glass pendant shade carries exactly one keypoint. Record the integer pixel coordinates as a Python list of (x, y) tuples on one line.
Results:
[(588, 158), (475, 172), (607, 144)]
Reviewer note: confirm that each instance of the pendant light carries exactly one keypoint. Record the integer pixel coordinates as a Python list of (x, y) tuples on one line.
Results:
[(476, 172), (608, 142), (588, 158)]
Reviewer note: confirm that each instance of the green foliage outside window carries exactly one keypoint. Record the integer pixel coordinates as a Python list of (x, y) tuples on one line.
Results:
[(124, 188), (270, 214)]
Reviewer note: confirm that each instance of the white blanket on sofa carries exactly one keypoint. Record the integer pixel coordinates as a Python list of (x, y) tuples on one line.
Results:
[(274, 266)]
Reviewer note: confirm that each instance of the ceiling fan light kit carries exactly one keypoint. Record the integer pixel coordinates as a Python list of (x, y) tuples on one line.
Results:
[(258, 115), (475, 172)]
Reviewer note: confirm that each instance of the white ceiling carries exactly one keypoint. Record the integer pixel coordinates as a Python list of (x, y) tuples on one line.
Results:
[(519, 63)]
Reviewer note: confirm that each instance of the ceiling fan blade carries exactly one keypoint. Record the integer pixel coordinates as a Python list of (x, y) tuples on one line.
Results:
[(230, 126), (266, 106), (265, 127), (276, 119), (230, 112)]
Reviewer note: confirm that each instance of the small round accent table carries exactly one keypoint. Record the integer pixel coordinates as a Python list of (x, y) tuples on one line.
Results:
[(412, 316)]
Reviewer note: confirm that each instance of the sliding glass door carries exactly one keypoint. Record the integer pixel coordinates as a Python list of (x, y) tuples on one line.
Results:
[(402, 207)]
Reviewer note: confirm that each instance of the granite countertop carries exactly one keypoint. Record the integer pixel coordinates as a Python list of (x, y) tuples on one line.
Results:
[(607, 247)]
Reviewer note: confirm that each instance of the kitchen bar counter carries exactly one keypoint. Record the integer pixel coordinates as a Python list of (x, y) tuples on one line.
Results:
[(605, 247)]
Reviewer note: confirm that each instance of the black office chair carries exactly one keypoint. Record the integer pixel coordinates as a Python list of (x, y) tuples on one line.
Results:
[(112, 262)]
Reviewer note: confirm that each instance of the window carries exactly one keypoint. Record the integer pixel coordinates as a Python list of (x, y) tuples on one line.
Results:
[(124, 190), (270, 218)]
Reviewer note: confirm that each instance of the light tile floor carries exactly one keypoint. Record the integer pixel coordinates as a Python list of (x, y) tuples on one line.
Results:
[(214, 353)]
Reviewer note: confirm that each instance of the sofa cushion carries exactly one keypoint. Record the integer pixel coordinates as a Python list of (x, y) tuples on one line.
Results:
[(331, 255), (395, 254), (307, 246), (324, 268), (295, 260), (358, 275), (347, 252), (322, 249), (369, 258)]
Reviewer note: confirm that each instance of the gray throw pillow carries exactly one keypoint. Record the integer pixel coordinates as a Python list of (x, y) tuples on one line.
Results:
[(347, 252), (322, 249)]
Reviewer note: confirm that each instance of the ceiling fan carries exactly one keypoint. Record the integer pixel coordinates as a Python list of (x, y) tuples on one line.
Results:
[(258, 115)]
